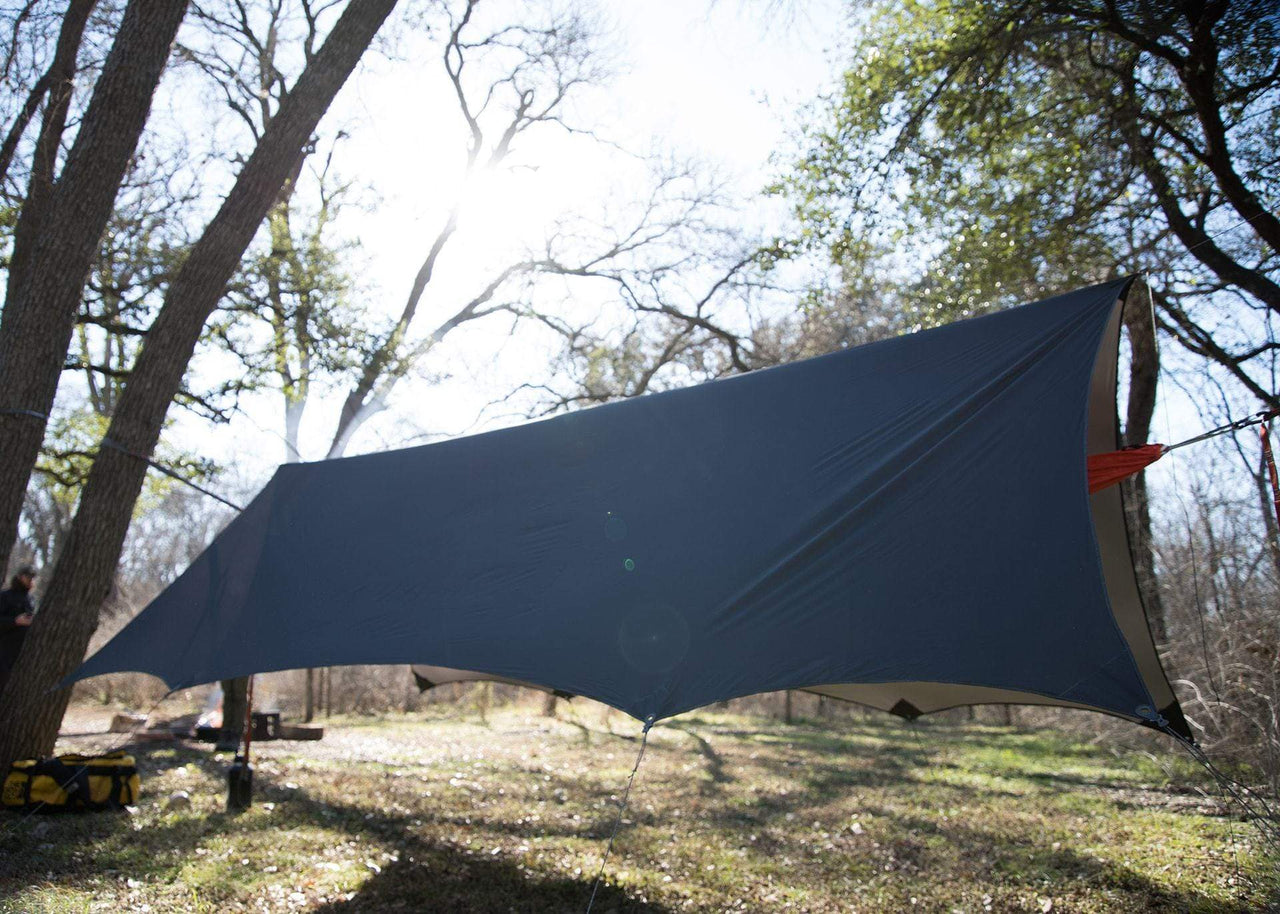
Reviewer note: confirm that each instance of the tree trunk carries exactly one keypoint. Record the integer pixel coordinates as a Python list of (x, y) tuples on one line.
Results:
[(44, 296), (549, 705), (293, 412), (235, 704), (309, 709), (786, 707), (56, 642), (1144, 375)]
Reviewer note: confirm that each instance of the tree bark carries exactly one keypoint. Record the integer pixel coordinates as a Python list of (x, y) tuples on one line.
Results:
[(21, 122), (235, 704), (1144, 376), (59, 83), (29, 716), (44, 296)]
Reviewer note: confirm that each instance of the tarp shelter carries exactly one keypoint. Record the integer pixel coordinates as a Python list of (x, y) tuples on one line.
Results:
[(904, 524)]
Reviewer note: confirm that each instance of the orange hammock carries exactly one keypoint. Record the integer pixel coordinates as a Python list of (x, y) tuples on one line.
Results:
[(1112, 467)]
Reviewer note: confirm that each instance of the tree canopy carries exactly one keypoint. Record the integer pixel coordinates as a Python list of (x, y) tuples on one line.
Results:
[(981, 153)]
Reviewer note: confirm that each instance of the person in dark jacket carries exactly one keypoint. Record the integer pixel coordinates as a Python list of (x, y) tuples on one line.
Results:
[(15, 616)]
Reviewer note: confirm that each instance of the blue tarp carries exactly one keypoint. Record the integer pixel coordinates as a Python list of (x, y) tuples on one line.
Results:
[(909, 512)]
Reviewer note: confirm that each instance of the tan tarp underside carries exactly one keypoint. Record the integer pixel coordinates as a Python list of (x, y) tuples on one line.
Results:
[(1109, 520), (927, 697), (1117, 568), (441, 675)]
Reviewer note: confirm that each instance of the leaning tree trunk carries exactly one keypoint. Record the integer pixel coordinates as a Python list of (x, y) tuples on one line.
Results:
[(56, 642), (1144, 375), (40, 310)]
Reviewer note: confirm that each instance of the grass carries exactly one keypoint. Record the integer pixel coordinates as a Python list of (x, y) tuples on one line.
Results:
[(729, 813)]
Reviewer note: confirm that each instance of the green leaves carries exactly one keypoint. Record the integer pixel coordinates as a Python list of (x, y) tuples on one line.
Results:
[(977, 154)]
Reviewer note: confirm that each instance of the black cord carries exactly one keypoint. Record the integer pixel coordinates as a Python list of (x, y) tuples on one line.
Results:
[(116, 446), (172, 474), (30, 413), (622, 808), (1254, 805)]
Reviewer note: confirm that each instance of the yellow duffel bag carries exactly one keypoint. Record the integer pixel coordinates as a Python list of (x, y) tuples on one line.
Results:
[(72, 782)]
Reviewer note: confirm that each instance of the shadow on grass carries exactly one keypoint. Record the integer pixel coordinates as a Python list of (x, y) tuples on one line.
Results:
[(440, 878), (1037, 864), (851, 761), (876, 756), (715, 762), (74, 850), (433, 873), (1066, 782)]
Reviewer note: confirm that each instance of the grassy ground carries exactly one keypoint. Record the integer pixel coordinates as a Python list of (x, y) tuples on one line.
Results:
[(728, 813)]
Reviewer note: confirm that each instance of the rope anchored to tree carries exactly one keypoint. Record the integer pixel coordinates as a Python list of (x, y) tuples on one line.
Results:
[(29, 413), (172, 474), (116, 446)]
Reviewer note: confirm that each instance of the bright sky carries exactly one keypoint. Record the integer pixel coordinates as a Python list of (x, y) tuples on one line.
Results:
[(717, 82)]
